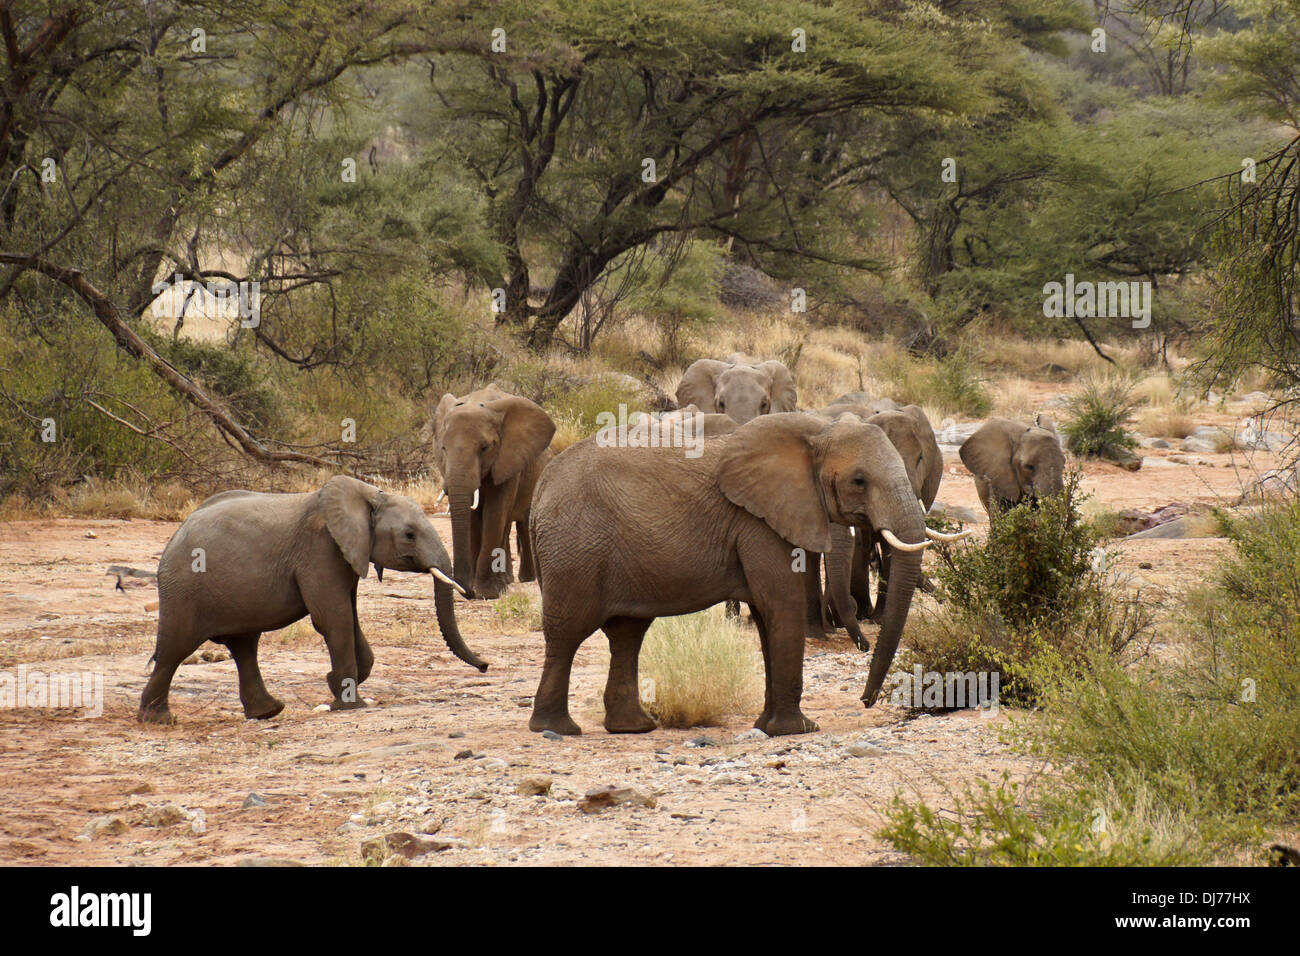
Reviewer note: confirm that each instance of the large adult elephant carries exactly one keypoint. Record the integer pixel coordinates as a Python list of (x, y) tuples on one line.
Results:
[(740, 387), (1014, 462), (245, 562), (848, 587), (748, 516), (490, 447)]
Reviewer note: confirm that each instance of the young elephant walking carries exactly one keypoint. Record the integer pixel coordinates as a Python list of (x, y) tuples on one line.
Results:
[(624, 535), (246, 562)]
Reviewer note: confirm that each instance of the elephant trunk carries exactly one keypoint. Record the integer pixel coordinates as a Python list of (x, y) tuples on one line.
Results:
[(444, 604), (907, 524), (839, 573), (460, 502)]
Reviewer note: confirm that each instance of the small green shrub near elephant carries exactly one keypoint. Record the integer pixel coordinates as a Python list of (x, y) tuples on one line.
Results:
[(1035, 587), (698, 669), (1097, 415), (1189, 763)]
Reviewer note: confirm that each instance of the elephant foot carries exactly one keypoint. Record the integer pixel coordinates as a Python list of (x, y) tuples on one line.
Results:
[(490, 589), (782, 725), (264, 709), (814, 633), (859, 639), (156, 715), (337, 704), (632, 723), (558, 724)]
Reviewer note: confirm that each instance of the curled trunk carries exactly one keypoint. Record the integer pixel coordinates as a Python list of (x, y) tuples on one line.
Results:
[(444, 604)]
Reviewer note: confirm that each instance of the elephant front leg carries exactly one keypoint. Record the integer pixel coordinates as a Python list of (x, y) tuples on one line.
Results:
[(623, 711), (766, 715), (256, 699), (526, 570), (334, 621), (814, 620), (493, 574)]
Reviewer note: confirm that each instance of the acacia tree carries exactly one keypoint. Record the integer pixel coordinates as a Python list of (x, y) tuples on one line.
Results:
[(130, 133), (600, 128)]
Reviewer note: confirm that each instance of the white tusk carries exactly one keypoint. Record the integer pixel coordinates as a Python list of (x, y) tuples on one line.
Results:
[(900, 545), (442, 494), (474, 504), (940, 536), (446, 580), (853, 532)]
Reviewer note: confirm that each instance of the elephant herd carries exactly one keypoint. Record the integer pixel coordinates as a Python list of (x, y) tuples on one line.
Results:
[(616, 534)]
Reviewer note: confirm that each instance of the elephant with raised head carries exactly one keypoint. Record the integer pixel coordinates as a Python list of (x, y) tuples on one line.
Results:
[(490, 447), (1014, 462), (745, 521), (741, 387), (245, 562)]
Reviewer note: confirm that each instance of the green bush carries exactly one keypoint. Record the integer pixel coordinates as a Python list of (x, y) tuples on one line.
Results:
[(1097, 413), (1189, 763), (1035, 590), (955, 386)]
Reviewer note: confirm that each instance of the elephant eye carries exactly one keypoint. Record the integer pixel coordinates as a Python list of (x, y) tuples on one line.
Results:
[(485, 446), (859, 480), (410, 535)]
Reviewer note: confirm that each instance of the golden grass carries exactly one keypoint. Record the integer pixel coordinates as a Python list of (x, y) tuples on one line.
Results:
[(698, 668), (518, 613), (1013, 398)]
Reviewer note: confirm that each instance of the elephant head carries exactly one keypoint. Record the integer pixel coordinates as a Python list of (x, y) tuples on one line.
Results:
[(801, 473), (371, 526), (738, 388), (871, 405), (909, 430), (486, 437), (1013, 462)]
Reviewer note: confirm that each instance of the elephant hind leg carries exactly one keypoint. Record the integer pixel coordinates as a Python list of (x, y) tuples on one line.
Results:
[(623, 711), (766, 715), (171, 650), (257, 700), (551, 704)]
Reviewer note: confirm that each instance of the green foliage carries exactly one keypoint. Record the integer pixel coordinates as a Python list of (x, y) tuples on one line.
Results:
[(1030, 600), (1189, 763), (1097, 416), (955, 386), (680, 293)]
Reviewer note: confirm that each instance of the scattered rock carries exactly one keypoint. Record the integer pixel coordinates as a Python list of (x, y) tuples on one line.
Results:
[(701, 742), (752, 734), (1170, 529), (103, 826), (403, 844), (602, 798), (1200, 446), (1272, 484), (534, 787), (162, 815), (864, 749), (253, 800), (1154, 443), (463, 755), (552, 735)]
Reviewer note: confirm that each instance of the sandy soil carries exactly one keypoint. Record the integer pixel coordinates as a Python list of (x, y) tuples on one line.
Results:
[(446, 750)]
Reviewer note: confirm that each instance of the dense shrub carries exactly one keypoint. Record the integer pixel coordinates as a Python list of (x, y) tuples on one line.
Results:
[(1035, 590), (1096, 416)]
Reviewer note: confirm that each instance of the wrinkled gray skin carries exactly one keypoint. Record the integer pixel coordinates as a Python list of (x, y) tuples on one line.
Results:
[(848, 585), (741, 388), (731, 531), (271, 559), (1014, 462), (495, 444)]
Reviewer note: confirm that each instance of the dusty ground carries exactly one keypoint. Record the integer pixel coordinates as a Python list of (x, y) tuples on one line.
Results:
[(444, 749)]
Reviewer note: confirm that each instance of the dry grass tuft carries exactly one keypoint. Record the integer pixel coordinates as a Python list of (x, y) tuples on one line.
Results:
[(700, 668)]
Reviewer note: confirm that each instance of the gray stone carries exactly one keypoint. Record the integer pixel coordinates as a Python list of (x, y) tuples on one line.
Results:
[(1170, 529), (253, 800), (552, 735), (863, 749), (1155, 443), (1201, 446)]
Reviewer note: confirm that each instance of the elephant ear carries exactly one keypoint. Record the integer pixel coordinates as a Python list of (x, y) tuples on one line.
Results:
[(987, 454), (699, 383), (526, 431), (1044, 421), (767, 467), (782, 391), (348, 506), (934, 457)]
